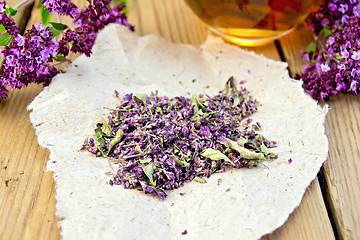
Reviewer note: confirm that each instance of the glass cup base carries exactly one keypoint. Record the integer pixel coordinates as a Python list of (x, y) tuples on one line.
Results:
[(248, 41)]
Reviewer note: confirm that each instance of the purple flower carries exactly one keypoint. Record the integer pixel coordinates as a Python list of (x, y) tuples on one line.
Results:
[(8, 22), (19, 40), (63, 7), (332, 7), (82, 40), (341, 67), (344, 19), (344, 54), (343, 8), (331, 40), (356, 10), (26, 62), (89, 21), (354, 86), (356, 55), (3, 92), (325, 22), (324, 67), (336, 63), (355, 72), (2, 7)]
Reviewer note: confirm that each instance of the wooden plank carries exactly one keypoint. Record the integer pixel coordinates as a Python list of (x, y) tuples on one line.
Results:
[(341, 170), (27, 203), (308, 221)]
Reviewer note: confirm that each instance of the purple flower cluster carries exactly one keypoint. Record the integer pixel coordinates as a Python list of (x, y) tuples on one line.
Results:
[(161, 143), (13, 30), (334, 60), (88, 22), (27, 58), (7, 21), (63, 7)]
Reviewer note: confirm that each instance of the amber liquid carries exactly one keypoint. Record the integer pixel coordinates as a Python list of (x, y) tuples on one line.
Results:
[(252, 22)]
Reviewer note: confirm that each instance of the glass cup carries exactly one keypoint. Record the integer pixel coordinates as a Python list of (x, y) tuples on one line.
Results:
[(252, 22)]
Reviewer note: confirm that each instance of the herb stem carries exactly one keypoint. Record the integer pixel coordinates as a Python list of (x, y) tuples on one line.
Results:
[(23, 4), (136, 155)]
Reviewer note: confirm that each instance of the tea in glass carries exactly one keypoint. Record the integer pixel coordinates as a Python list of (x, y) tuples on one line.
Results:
[(252, 22)]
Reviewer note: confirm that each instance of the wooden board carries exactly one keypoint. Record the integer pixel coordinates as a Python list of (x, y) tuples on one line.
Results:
[(341, 170), (27, 202)]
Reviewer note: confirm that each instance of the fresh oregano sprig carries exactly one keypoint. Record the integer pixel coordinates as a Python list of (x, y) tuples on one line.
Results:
[(334, 58), (33, 56)]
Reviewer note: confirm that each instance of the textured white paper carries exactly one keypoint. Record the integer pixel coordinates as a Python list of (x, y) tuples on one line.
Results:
[(237, 204)]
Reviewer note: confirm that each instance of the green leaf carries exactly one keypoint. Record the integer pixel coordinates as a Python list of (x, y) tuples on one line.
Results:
[(60, 58), (149, 171), (137, 148), (176, 148), (264, 149), (210, 113), (45, 15), (161, 141), (105, 128), (193, 156), (5, 39), (311, 47), (142, 96), (10, 10), (195, 100), (180, 162), (2, 28), (55, 32), (116, 140), (199, 179), (244, 152), (100, 139), (139, 100), (58, 26), (127, 108), (238, 100), (194, 117), (146, 160), (229, 85), (241, 141), (325, 32), (214, 154), (125, 9), (158, 110)]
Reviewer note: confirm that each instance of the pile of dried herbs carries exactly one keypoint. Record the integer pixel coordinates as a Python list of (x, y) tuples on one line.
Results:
[(160, 143)]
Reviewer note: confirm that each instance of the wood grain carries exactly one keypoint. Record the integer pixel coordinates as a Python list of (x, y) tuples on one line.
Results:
[(27, 202), (341, 170)]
